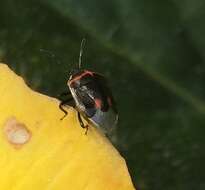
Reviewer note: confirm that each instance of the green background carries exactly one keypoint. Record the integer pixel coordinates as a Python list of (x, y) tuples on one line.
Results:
[(153, 54)]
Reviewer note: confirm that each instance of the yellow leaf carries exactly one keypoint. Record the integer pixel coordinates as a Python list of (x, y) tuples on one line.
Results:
[(40, 152)]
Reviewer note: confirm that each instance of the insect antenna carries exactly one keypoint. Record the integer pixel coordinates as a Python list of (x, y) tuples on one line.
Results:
[(52, 55), (81, 52)]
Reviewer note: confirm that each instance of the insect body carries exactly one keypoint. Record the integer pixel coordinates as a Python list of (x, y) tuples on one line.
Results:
[(93, 99)]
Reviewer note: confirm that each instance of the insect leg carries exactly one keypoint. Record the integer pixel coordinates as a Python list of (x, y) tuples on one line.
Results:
[(64, 94), (64, 102), (82, 124)]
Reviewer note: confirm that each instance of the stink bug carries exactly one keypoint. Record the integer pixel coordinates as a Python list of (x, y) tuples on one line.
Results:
[(92, 97)]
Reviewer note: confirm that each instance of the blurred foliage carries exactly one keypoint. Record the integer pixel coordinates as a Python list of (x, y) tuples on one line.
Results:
[(152, 52)]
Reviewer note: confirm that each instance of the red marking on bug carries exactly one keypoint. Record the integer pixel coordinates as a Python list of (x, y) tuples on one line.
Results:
[(98, 103), (109, 101), (86, 72)]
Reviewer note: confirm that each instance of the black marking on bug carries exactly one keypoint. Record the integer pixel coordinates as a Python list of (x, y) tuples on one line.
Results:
[(92, 98)]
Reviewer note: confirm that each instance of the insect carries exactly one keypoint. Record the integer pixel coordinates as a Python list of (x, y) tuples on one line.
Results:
[(92, 97)]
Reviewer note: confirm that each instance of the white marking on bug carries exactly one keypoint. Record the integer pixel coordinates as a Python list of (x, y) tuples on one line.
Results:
[(16, 132)]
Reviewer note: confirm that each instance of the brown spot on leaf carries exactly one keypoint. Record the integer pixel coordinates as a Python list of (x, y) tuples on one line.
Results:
[(16, 133)]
